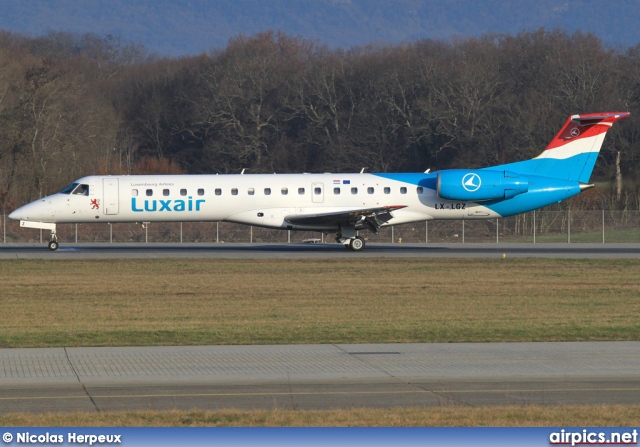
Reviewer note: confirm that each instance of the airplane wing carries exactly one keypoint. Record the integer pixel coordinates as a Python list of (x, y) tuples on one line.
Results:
[(371, 218)]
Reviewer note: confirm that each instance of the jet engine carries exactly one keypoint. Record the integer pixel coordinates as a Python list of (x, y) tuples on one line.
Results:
[(460, 184)]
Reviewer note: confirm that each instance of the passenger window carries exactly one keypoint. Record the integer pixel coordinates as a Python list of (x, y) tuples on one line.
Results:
[(336, 191), (234, 191), (183, 192), (149, 192), (218, 192), (284, 191), (267, 191), (403, 190), (370, 190), (165, 192), (354, 190), (317, 191), (387, 190), (301, 191), (200, 192), (134, 193), (419, 189), (251, 191)]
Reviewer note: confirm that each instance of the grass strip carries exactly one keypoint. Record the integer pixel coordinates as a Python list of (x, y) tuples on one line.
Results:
[(537, 416), (206, 301)]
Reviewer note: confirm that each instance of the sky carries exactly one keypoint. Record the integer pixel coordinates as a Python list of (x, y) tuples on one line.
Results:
[(188, 27)]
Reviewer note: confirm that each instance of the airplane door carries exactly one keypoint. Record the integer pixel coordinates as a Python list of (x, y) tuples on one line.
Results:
[(110, 195), (317, 192)]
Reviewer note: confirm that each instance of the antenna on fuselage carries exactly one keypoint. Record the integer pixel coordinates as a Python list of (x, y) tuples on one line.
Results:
[(362, 170), (427, 171), (243, 169)]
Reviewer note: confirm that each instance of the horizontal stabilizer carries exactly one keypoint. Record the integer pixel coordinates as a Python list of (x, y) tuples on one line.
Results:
[(579, 134)]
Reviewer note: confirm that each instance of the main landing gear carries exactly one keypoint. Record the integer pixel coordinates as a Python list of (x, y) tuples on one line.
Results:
[(350, 239), (353, 243), (356, 244)]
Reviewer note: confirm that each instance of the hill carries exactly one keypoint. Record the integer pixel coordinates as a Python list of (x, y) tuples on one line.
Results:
[(188, 27)]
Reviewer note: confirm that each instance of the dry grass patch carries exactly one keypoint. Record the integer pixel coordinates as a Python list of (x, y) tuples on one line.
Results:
[(576, 416), (170, 301)]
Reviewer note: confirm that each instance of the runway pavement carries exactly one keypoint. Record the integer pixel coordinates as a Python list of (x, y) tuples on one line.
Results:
[(319, 376), (298, 250)]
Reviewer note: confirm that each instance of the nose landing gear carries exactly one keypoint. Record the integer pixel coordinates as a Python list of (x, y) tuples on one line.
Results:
[(53, 243)]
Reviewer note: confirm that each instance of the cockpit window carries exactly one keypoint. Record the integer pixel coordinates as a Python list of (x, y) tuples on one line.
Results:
[(78, 189), (68, 189), (81, 190)]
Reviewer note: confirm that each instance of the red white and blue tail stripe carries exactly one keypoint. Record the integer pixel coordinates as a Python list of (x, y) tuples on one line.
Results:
[(573, 152)]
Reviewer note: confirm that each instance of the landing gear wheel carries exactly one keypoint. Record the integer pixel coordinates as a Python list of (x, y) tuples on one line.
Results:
[(53, 245), (356, 244)]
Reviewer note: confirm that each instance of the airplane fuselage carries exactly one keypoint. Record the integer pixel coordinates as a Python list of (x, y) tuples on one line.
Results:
[(267, 199)]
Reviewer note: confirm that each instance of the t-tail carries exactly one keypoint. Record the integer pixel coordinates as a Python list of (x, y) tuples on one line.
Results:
[(573, 152), (561, 171)]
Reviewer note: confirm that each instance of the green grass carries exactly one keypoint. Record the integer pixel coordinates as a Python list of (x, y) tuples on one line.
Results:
[(193, 302)]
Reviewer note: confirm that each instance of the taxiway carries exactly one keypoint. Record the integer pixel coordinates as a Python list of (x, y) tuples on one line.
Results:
[(319, 376)]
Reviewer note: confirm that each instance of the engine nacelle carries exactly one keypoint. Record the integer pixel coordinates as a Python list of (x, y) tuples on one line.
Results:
[(460, 184)]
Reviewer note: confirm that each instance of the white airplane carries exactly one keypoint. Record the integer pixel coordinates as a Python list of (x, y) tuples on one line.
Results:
[(334, 203)]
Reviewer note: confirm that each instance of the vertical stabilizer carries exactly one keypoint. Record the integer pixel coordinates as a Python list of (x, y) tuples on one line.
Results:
[(573, 152)]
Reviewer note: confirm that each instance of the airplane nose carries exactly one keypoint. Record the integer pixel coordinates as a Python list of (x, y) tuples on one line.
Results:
[(25, 212), (40, 210), (15, 215)]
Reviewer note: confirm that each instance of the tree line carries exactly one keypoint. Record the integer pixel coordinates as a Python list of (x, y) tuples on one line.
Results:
[(73, 105)]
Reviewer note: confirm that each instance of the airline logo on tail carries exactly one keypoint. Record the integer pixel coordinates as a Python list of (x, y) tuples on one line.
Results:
[(580, 132)]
